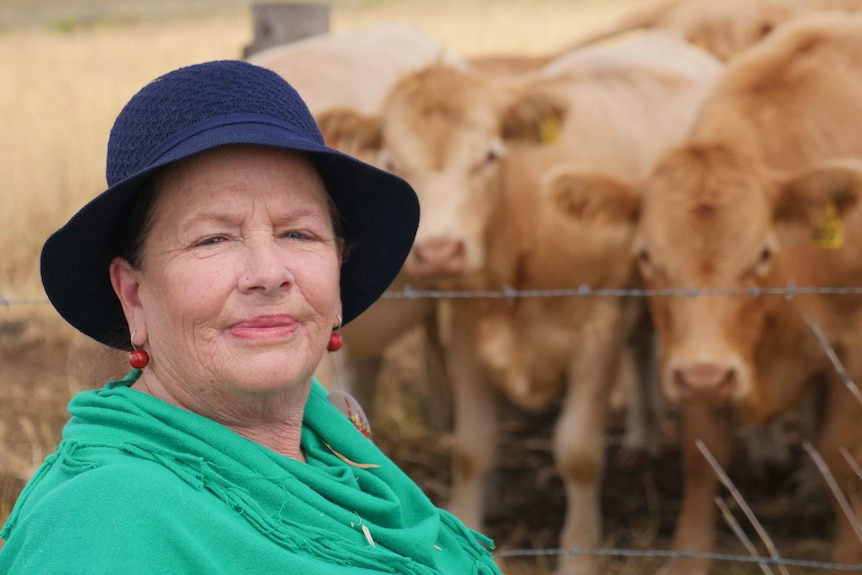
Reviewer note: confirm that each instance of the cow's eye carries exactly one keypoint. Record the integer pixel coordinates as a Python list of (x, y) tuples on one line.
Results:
[(644, 260), (495, 152), (764, 261), (387, 162)]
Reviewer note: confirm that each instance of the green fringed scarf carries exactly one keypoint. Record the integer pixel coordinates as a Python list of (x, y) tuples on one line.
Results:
[(140, 486)]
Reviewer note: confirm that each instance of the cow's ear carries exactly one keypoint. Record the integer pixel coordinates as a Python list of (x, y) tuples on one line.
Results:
[(820, 199), (351, 132), (534, 117), (595, 198)]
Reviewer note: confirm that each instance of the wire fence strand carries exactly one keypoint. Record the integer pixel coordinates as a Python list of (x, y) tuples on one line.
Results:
[(659, 554), (789, 292), (9, 302)]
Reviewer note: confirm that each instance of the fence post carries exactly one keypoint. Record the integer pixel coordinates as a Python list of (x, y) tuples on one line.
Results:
[(281, 23)]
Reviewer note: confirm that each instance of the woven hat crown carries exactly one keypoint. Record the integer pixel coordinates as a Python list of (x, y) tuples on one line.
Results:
[(180, 99)]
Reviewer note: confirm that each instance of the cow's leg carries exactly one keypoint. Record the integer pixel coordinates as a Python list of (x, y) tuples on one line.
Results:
[(840, 435), (439, 414), (642, 438), (579, 441), (358, 377), (812, 490), (695, 527), (475, 438), (355, 367), (766, 450)]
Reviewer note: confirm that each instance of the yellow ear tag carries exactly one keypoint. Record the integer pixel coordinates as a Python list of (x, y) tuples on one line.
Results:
[(549, 130), (829, 233), (702, 44)]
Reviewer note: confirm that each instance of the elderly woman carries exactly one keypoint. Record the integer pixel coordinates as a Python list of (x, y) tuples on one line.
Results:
[(230, 245)]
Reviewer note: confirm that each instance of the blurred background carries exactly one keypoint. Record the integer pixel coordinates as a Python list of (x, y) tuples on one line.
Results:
[(68, 66)]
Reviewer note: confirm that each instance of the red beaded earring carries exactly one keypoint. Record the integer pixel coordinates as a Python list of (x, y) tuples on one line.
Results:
[(335, 340), (138, 358)]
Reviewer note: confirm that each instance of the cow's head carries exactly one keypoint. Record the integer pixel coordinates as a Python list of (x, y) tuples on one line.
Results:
[(725, 28), (712, 219), (447, 131)]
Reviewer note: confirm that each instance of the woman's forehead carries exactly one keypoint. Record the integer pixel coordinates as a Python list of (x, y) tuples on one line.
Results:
[(227, 159), (232, 176)]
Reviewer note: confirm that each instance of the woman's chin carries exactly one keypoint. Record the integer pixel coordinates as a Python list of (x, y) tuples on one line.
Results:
[(272, 370)]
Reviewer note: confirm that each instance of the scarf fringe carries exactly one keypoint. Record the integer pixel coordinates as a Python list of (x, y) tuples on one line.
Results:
[(292, 536)]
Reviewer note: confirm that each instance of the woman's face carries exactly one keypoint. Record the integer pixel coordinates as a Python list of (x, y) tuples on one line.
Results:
[(238, 287)]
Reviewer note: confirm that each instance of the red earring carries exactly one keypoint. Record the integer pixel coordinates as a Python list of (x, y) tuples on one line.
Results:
[(138, 358), (335, 340)]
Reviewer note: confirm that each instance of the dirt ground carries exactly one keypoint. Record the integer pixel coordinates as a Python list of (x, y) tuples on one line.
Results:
[(527, 505)]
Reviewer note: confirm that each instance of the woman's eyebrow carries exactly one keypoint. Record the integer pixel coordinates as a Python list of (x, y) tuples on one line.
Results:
[(209, 217), (280, 217), (298, 213)]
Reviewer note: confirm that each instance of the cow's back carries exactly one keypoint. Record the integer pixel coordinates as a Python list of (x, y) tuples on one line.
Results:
[(630, 101), (354, 69), (795, 99)]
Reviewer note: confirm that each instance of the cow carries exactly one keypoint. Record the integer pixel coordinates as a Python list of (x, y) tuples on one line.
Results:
[(725, 28), (763, 194), (477, 149)]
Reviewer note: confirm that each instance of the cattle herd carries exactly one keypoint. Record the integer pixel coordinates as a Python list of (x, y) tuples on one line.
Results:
[(697, 145)]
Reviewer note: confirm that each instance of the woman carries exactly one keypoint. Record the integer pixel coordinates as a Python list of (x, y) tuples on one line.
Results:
[(230, 245)]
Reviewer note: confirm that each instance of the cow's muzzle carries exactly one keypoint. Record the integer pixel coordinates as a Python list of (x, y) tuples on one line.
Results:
[(438, 257), (715, 382)]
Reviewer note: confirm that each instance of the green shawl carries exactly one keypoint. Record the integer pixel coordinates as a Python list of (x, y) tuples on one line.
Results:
[(140, 486)]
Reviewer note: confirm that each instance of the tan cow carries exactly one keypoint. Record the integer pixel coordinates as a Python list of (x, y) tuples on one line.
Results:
[(758, 199), (724, 27), (476, 150)]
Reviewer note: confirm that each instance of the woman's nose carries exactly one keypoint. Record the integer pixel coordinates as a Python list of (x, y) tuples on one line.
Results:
[(266, 267)]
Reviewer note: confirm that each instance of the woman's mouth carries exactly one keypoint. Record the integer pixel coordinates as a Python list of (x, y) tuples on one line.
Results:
[(265, 327)]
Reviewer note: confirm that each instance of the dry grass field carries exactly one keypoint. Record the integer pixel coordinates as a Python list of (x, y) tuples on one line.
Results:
[(69, 66)]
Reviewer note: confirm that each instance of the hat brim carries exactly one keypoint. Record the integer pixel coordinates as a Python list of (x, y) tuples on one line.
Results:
[(380, 212)]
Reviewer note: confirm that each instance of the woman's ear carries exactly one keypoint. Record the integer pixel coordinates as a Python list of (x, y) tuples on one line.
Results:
[(124, 279)]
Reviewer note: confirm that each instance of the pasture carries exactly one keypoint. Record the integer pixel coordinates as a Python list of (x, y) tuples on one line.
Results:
[(70, 66)]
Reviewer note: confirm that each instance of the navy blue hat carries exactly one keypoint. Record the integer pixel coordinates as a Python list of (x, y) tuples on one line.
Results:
[(199, 108)]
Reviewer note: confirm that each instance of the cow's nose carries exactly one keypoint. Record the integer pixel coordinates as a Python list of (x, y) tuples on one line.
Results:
[(710, 381), (439, 256)]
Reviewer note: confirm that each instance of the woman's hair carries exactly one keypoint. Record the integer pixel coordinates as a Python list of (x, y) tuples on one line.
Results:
[(139, 221)]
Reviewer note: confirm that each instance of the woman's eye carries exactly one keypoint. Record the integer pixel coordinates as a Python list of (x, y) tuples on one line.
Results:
[(211, 241), (294, 235)]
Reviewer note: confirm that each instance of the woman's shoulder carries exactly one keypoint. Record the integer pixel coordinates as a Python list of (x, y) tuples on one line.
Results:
[(99, 495), (105, 516)]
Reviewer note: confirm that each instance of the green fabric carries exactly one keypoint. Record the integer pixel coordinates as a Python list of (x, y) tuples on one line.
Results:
[(140, 486)]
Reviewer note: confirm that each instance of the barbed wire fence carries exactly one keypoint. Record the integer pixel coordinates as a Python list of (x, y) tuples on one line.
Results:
[(659, 554), (789, 291), (765, 562)]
